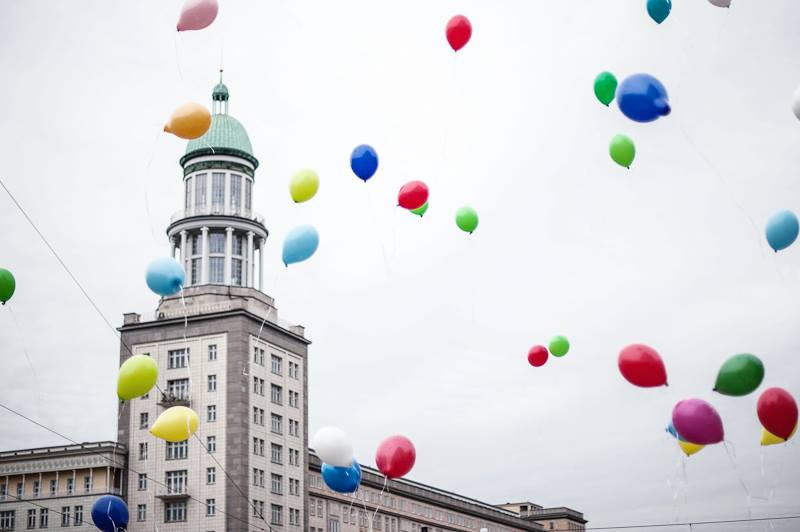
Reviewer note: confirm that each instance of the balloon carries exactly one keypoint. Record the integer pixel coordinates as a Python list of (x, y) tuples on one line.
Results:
[(342, 479), (622, 150), (721, 3), (333, 446), (197, 14), (413, 195), (137, 376), (642, 366), (642, 98), (110, 514), (768, 438), (659, 9), (698, 422), (7, 285), (671, 429), (395, 456), (777, 412), (175, 424), (458, 31), (189, 121), (419, 211), (467, 219), (537, 356), (364, 161), (559, 346), (690, 448), (796, 103), (605, 86), (304, 185), (300, 243), (165, 276), (740, 375), (782, 229)]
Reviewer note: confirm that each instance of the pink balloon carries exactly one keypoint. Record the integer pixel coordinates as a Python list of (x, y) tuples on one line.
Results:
[(197, 14), (697, 422), (395, 456)]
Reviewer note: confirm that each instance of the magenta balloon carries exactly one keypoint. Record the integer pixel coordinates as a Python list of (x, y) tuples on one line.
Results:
[(697, 422)]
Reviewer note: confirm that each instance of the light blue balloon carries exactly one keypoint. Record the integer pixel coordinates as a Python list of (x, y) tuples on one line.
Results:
[(671, 430), (300, 243), (782, 230), (165, 276), (659, 9)]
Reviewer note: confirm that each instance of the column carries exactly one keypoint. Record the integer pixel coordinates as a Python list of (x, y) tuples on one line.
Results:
[(172, 247), (204, 262), (108, 480), (261, 264), (250, 266), (228, 253), (58, 487), (185, 257)]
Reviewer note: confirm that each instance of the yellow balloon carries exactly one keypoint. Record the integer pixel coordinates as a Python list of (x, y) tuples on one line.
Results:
[(304, 185), (690, 448), (136, 377), (189, 121), (768, 438), (175, 424)]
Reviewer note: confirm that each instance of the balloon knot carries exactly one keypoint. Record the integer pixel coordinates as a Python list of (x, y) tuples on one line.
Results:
[(666, 383)]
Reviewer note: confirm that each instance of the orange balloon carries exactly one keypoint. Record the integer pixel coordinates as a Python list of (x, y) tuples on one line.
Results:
[(189, 121)]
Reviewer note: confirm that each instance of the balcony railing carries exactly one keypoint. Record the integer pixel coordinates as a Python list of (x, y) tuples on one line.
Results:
[(174, 492), (169, 399), (241, 212)]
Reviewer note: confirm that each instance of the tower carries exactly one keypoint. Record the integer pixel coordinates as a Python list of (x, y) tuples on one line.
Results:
[(222, 351)]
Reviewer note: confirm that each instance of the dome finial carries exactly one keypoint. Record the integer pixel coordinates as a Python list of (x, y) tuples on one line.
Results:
[(220, 96)]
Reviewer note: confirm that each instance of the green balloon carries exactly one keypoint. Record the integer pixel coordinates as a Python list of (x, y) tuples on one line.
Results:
[(559, 346), (467, 219), (622, 150), (605, 87), (740, 375), (7, 285), (419, 211)]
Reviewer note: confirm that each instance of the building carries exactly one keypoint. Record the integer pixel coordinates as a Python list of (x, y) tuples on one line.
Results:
[(222, 351), (50, 487), (558, 518)]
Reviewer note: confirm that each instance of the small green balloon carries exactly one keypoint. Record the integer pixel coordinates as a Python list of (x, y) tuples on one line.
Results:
[(622, 150), (605, 87), (7, 285), (740, 375), (419, 211), (559, 346), (467, 219), (136, 377)]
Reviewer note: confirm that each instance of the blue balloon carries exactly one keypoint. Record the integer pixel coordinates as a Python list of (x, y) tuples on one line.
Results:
[(642, 98), (342, 479), (782, 230), (364, 161), (300, 243), (659, 9), (165, 276), (671, 430), (110, 514)]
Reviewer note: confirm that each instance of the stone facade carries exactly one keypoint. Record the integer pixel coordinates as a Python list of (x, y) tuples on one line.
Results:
[(559, 518)]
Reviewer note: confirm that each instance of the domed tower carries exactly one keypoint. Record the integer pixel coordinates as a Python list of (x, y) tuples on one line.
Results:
[(217, 232)]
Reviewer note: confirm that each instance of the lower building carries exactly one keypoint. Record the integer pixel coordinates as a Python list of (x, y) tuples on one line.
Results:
[(557, 518), (54, 487)]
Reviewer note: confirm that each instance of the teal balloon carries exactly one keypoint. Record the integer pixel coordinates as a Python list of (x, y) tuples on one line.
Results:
[(782, 229), (300, 244), (165, 276), (659, 9)]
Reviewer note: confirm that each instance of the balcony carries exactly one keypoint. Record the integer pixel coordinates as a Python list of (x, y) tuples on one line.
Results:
[(239, 212), (174, 493), (169, 399)]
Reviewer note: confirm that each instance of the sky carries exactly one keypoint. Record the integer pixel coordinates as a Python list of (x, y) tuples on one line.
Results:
[(418, 328)]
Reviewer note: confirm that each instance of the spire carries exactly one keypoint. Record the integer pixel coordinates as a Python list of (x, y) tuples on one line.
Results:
[(220, 96)]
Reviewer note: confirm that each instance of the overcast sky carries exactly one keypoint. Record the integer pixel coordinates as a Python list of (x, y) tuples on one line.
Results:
[(418, 328)]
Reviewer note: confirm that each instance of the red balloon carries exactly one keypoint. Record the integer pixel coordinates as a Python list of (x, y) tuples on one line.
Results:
[(777, 412), (537, 356), (396, 456), (413, 195), (458, 32), (642, 366)]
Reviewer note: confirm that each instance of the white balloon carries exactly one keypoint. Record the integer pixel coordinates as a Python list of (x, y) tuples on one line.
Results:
[(796, 103), (333, 446), (721, 3)]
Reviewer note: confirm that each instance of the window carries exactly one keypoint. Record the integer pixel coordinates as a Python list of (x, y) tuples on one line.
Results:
[(212, 383), (216, 242), (294, 486), (195, 271), (216, 270), (142, 456), (294, 457), (177, 450), (258, 386), (211, 413), (277, 484), (200, 191), (258, 356), (258, 508), (144, 420), (44, 515), (211, 444), (294, 516), (87, 484), (333, 525), (248, 194), (277, 363), (319, 508), (188, 202), (277, 421), (258, 447), (277, 514), (211, 475), (78, 520), (19, 490), (211, 507), (175, 512), (32, 518), (277, 454), (551, 525), (178, 388), (36, 489), (236, 272), (176, 481), (258, 477), (236, 192), (258, 415), (217, 191), (294, 428), (71, 481), (7, 519), (141, 512), (312, 505), (294, 399), (176, 358), (142, 481), (293, 370), (212, 352), (276, 394), (237, 245), (197, 244), (53, 487)]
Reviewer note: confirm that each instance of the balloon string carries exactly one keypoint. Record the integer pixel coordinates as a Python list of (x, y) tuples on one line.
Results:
[(178, 58), (18, 332), (123, 404), (366, 512), (146, 186), (731, 451), (380, 497), (374, 217)]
